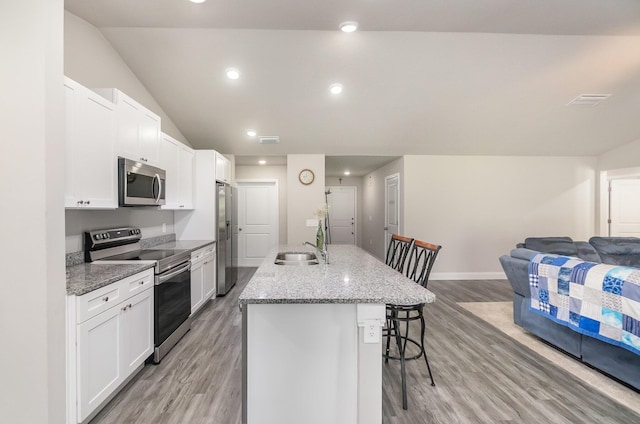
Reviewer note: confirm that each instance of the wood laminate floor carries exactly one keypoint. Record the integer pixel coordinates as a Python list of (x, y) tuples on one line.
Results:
[(481, 374)]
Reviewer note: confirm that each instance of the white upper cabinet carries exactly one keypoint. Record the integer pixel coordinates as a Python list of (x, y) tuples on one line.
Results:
[(90, 159), (177, 160), (223, 168), (139, 129)]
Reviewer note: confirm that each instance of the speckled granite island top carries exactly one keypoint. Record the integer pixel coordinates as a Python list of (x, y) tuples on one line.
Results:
[(84, 278), (352, 276)]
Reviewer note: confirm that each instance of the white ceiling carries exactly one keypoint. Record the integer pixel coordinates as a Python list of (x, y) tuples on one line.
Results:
[(420, 77)]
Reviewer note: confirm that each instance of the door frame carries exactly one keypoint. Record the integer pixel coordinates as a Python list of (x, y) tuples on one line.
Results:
[(605, 200), (276, 206), (386, 202), (356, 221)]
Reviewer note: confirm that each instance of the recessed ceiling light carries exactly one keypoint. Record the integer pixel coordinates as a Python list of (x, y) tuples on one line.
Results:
[(347, 172), (335, 88), (251, 133), (262, 161), (349, 26), (232, 73), (197, 1)]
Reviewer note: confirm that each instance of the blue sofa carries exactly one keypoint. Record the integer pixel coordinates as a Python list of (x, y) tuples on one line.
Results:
[(610, 359)]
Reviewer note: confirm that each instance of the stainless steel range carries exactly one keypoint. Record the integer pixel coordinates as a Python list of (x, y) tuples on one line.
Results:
[(172, 290)]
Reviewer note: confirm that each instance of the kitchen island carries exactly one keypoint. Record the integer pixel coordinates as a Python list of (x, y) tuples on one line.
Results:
[(312, 339)]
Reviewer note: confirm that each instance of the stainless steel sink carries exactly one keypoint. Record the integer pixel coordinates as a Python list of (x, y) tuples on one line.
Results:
[(296, 258)]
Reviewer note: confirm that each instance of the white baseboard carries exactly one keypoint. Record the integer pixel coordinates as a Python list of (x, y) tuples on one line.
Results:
[(467, 276)]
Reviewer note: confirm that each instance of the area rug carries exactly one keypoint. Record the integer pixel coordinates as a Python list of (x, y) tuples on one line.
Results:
[(500, 315)]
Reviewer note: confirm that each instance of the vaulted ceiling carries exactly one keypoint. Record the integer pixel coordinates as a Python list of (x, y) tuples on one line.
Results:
[(479, 77)]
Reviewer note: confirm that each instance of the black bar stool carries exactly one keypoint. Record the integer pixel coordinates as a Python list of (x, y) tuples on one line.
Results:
[(421, 260), (397, 251)]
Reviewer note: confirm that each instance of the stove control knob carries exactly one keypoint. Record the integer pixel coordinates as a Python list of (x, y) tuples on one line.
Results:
[(106, 235), (97, 236)]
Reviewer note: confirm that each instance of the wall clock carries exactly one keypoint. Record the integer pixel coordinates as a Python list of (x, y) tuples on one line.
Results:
[(306, 176)]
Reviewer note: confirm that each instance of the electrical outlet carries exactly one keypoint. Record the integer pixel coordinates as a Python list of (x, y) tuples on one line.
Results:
[(371, 331), (164, 227)]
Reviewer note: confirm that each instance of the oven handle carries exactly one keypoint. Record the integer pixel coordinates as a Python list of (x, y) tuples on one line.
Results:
[(162, 278)]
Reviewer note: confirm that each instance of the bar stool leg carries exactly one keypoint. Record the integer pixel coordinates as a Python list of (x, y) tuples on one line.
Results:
[(402, 364), (389, 330), (424, 352)]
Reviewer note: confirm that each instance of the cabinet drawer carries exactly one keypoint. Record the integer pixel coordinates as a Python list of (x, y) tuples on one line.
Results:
[(140, 283), (98, 301), (202, 252)]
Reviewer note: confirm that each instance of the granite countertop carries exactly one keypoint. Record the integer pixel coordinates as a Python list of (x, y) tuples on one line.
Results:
[(84, 278), (352, 276), (183, 244)]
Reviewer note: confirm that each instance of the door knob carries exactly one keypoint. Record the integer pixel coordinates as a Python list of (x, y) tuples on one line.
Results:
[(239, 229)]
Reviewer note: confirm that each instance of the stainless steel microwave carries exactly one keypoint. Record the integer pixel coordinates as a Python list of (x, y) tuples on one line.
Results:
[(140, 184)]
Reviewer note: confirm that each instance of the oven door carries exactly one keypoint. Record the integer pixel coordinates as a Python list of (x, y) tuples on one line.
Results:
[(172, 301)]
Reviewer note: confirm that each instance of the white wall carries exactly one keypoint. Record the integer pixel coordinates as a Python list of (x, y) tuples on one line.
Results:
[(373, 207), (303, 200), (149, 220), (626, 156), (91, 60), (479, 207), (270, 172), (355, 182), (32, 305)]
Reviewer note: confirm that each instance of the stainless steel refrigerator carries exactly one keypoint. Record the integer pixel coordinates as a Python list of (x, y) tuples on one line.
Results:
[(225, 218)]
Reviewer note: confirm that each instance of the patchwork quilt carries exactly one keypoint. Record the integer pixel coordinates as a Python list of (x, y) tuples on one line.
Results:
[(599, 300)]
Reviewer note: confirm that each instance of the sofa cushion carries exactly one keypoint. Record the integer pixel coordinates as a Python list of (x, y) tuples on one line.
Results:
[(558, 245), (617, 250), (586, 252)]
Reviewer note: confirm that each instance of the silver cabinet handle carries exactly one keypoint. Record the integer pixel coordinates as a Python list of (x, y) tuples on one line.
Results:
[(106, 298), (87, 202)]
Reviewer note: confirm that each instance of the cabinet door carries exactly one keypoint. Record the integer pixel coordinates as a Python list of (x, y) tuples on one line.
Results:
[(99, 367), (149, 137), (137, 330), (222, 166), (185, 179), (90, 135), (72, 192), (169, 162), (97, 159), (128, 122), (209, 276), (197, 285)]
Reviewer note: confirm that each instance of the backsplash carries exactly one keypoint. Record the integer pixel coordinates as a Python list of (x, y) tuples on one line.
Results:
[(150, 220), (156, 225)]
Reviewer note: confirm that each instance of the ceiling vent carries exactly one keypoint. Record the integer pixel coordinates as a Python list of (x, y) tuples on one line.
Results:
[(589, 99), (269, 139)]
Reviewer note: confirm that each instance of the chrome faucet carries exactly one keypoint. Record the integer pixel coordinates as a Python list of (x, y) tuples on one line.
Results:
[(323, 252)]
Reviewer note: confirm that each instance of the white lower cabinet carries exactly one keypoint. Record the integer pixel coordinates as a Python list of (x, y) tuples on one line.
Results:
[(203, 276), (108, 342)]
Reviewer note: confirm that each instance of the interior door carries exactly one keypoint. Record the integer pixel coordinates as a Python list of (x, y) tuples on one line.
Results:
[(392, 207), (342, 203), (257, 221), (624, 207)]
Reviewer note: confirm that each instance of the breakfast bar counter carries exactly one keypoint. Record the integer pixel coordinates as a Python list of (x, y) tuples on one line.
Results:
[(312, 337), (352, 276)]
